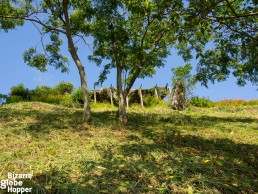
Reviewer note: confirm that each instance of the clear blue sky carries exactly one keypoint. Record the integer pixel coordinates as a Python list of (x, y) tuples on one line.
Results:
[(14, 71)]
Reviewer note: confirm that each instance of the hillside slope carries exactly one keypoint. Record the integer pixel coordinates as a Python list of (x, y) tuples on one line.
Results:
[(159, 150)]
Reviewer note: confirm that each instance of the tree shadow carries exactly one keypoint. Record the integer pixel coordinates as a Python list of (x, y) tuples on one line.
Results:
[(52, 181), (171, 165)]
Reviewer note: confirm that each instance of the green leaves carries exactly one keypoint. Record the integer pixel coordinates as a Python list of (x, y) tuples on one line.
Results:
[(234, 33), (50, 56), (33, 59), (182, 75)]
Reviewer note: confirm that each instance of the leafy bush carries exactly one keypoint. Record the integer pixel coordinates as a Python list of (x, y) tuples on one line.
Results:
[(201, 102), (42, 91), (149, 101), (68, 102), (14, 98), (77, 96), (52, 99), (21, 91), (64, 88)]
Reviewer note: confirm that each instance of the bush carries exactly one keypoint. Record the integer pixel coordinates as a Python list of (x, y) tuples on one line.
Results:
[(201, 102), (21, 91), (13, 99), (52, 99), (42, 91), (77, 96), (68, 102), (149, 101), (63, 88)]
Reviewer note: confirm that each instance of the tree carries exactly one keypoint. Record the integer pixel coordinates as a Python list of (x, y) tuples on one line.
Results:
[(183, 83), (59, 19), (235, 39), (136, 36)]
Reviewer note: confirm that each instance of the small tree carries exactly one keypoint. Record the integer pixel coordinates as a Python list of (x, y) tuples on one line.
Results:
[(183, 83)]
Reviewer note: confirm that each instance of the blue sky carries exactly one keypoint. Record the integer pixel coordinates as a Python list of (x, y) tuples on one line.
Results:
[(14, 71)]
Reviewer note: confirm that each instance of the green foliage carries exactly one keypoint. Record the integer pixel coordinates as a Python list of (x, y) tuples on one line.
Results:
[(50, 98), (42, 91), (21, 91), (150, 101), (77, 96), (64, 88), (7, 8), (183, 83), (201, 102), (182, 75), (14, 99), (235, 48)]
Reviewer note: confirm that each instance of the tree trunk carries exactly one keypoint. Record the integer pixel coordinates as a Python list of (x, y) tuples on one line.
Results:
[(85, 93), (121, 113), (72, 50)]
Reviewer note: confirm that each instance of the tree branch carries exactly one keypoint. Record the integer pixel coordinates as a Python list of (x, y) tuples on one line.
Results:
[(51, 28), (232, 9)]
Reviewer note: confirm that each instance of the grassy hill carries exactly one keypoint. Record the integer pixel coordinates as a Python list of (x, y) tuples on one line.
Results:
[(212, 150)]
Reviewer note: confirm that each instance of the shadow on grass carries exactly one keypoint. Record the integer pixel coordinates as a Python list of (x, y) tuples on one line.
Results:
[(169, 163), (171, 166), (52, 182)]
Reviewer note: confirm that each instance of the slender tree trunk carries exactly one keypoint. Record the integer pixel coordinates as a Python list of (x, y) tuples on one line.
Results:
[(121, 113), (72, 50)]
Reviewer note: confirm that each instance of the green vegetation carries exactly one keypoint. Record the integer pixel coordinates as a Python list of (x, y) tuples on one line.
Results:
[(201, 150), (201, 102)]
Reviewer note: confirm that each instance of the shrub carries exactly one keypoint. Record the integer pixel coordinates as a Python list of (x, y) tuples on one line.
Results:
[(201, 102), (77, 96), (68, 102), (149, 100), (21, 91), (42, 91), (14, 98), (64, 88), (52, 99)]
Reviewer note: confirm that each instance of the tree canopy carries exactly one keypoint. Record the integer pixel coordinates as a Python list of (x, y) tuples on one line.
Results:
[(59, 21), (234, 26)]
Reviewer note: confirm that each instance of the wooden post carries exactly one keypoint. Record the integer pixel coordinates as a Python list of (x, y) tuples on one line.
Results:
[(95, 97), (169, 94), (140, 94), (111, 95), (155, 91), (127, 101)]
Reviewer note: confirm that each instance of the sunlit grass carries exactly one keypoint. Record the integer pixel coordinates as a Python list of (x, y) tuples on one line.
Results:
[(200, 150)]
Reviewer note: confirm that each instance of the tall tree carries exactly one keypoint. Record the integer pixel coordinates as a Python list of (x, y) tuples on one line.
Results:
[(136, 36), (61, 20)]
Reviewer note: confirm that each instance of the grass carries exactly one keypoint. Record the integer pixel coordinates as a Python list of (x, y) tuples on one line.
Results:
[(159, 151)]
